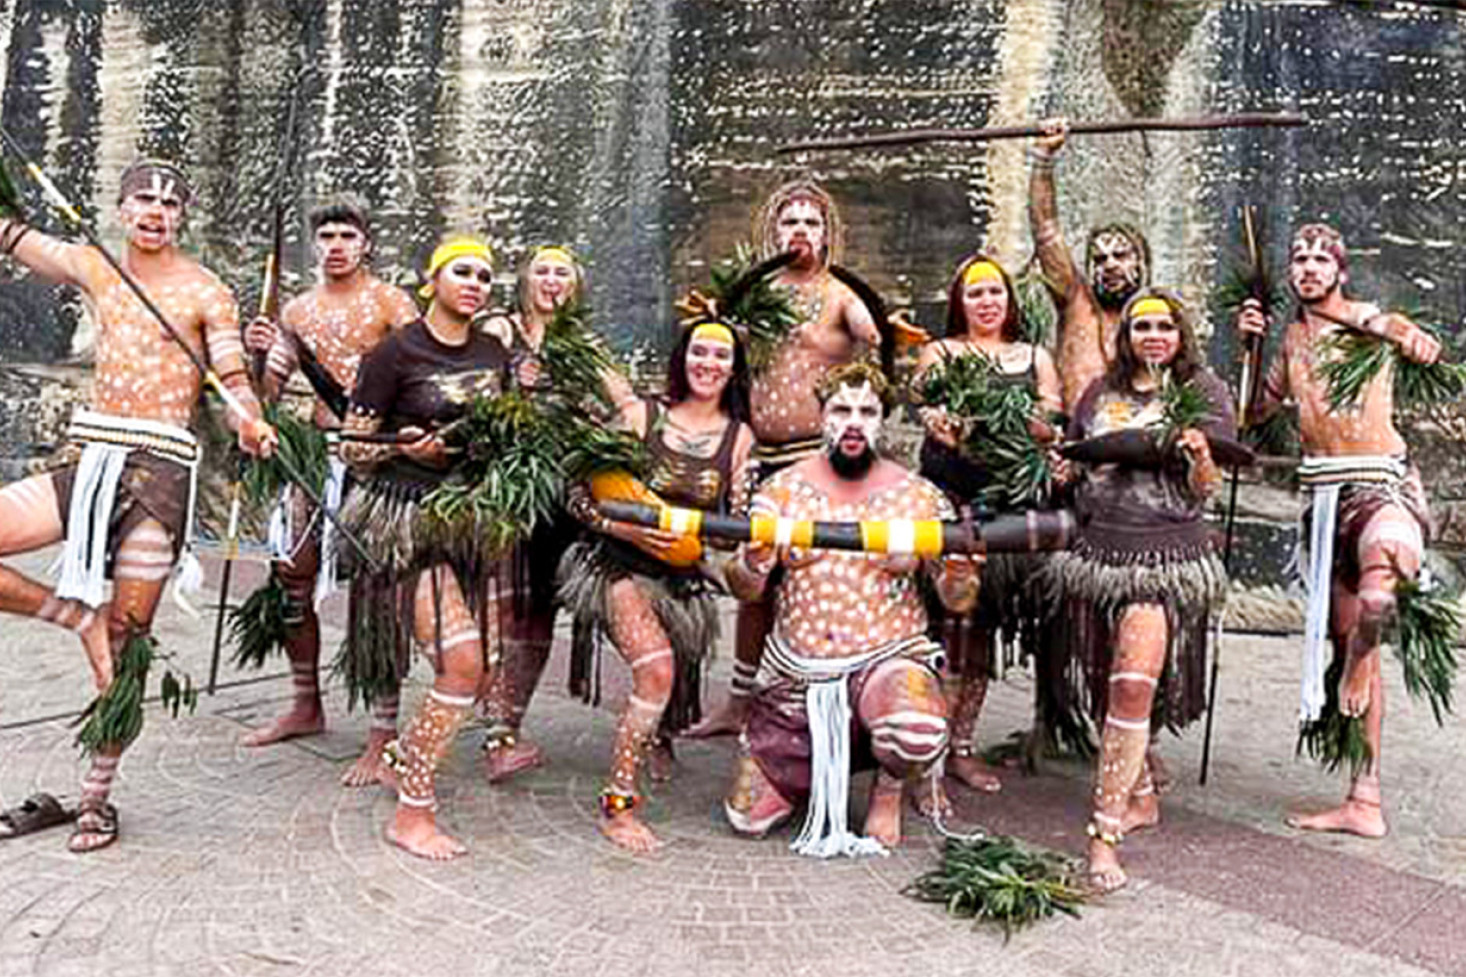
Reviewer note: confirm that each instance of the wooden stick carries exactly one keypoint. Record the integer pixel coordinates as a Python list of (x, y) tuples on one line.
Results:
[(1253, 120)]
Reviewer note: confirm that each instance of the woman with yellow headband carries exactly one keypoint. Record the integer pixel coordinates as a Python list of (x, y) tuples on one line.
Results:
[(552, 277), (661, 618), (1136, 592), (434, 579), (983, 319)]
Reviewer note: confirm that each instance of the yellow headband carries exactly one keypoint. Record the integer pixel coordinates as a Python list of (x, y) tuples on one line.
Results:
[(981, 271), (454, 247), (714, 332), (1150, 305), (556, 253)]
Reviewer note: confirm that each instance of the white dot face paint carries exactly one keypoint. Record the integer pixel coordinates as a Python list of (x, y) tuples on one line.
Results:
[(340, 248), (1114, 267), (852, 418), (153, 215), (801, 228)]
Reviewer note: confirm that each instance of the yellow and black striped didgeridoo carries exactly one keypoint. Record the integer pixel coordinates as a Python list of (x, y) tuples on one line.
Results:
[(1032, 531)]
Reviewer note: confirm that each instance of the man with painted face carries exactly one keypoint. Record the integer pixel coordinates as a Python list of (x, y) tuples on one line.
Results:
[(848, 641), (123, 503), (347, 313), (1116, 266), (835, 325), (1362, 485)]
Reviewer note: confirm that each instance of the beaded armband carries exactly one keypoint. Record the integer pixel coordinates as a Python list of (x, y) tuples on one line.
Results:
[(614, 802)]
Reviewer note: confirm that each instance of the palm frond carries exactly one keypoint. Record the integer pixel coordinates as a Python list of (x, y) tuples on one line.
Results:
[(1183, 406), (741, 294), (257, 627), (1353, 359), (1000, 880), (1334, 739), (574, 356), (115, 718), (1426, 630), (302, 445)]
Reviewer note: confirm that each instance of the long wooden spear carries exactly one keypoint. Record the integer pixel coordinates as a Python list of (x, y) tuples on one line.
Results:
[(909, 137), (1259, 289)]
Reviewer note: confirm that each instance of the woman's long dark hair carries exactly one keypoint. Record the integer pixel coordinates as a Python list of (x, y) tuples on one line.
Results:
[(1184, 364), (957, 324), (734, 401)]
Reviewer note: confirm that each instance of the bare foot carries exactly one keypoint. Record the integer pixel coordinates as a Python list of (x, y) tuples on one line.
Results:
[(369, 768), (625, 831), (753, 806), (1352, 817), (726, 720), (98, 646), (1105, 873), (660, 761), (883, 817), (973, 772), (503, 762), (303, 719), (1144, 812), (1359, 673), (415, 831), (929, 797)]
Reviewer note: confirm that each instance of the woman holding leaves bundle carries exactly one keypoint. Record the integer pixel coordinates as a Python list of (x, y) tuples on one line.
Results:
[(434, 573), (1140, 583), (987, 398), (648, 590)]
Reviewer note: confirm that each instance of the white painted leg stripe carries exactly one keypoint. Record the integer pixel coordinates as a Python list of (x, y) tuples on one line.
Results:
[(447, 699), (1134, 677), (1133, 724), (655, 656)]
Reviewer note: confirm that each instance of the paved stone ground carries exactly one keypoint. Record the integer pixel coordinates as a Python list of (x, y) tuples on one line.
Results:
[(254, 862)]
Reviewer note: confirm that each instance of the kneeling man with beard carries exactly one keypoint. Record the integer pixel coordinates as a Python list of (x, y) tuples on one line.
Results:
[(848, 678)]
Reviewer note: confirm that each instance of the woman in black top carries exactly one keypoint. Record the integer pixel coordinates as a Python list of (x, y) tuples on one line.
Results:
[(433, 578), (984, 320), (1139, 585), (661, 616)]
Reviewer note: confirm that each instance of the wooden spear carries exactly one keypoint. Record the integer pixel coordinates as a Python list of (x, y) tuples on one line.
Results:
[(908, 137)]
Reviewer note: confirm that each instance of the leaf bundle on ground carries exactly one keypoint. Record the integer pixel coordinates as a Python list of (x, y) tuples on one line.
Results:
[(1000, 880)]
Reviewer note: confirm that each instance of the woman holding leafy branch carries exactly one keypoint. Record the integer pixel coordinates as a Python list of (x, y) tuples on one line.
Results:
[(435, 573), (551, 280), (980, 370), (1140, 583), (641, 587)]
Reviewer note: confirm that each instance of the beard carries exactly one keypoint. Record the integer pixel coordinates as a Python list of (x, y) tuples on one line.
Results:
[(852, 467), (1114, 300)]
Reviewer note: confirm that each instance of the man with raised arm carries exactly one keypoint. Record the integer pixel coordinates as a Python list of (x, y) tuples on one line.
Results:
[(1368, 522), (834, 326), (348, 312), (124, 501), (1116, 266)]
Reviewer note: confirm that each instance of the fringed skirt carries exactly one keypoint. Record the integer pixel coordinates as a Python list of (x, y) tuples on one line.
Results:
[(1089, 588), (683, 602), (387, 516)]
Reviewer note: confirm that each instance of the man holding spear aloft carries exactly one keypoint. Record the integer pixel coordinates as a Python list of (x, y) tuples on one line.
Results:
[(124, 503), (1368, 522), (340, 320)]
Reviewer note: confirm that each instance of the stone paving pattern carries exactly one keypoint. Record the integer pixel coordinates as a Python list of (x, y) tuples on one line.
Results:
[(255, 862)]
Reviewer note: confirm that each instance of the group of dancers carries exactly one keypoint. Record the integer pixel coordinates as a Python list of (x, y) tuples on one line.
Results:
[(844, 659)]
